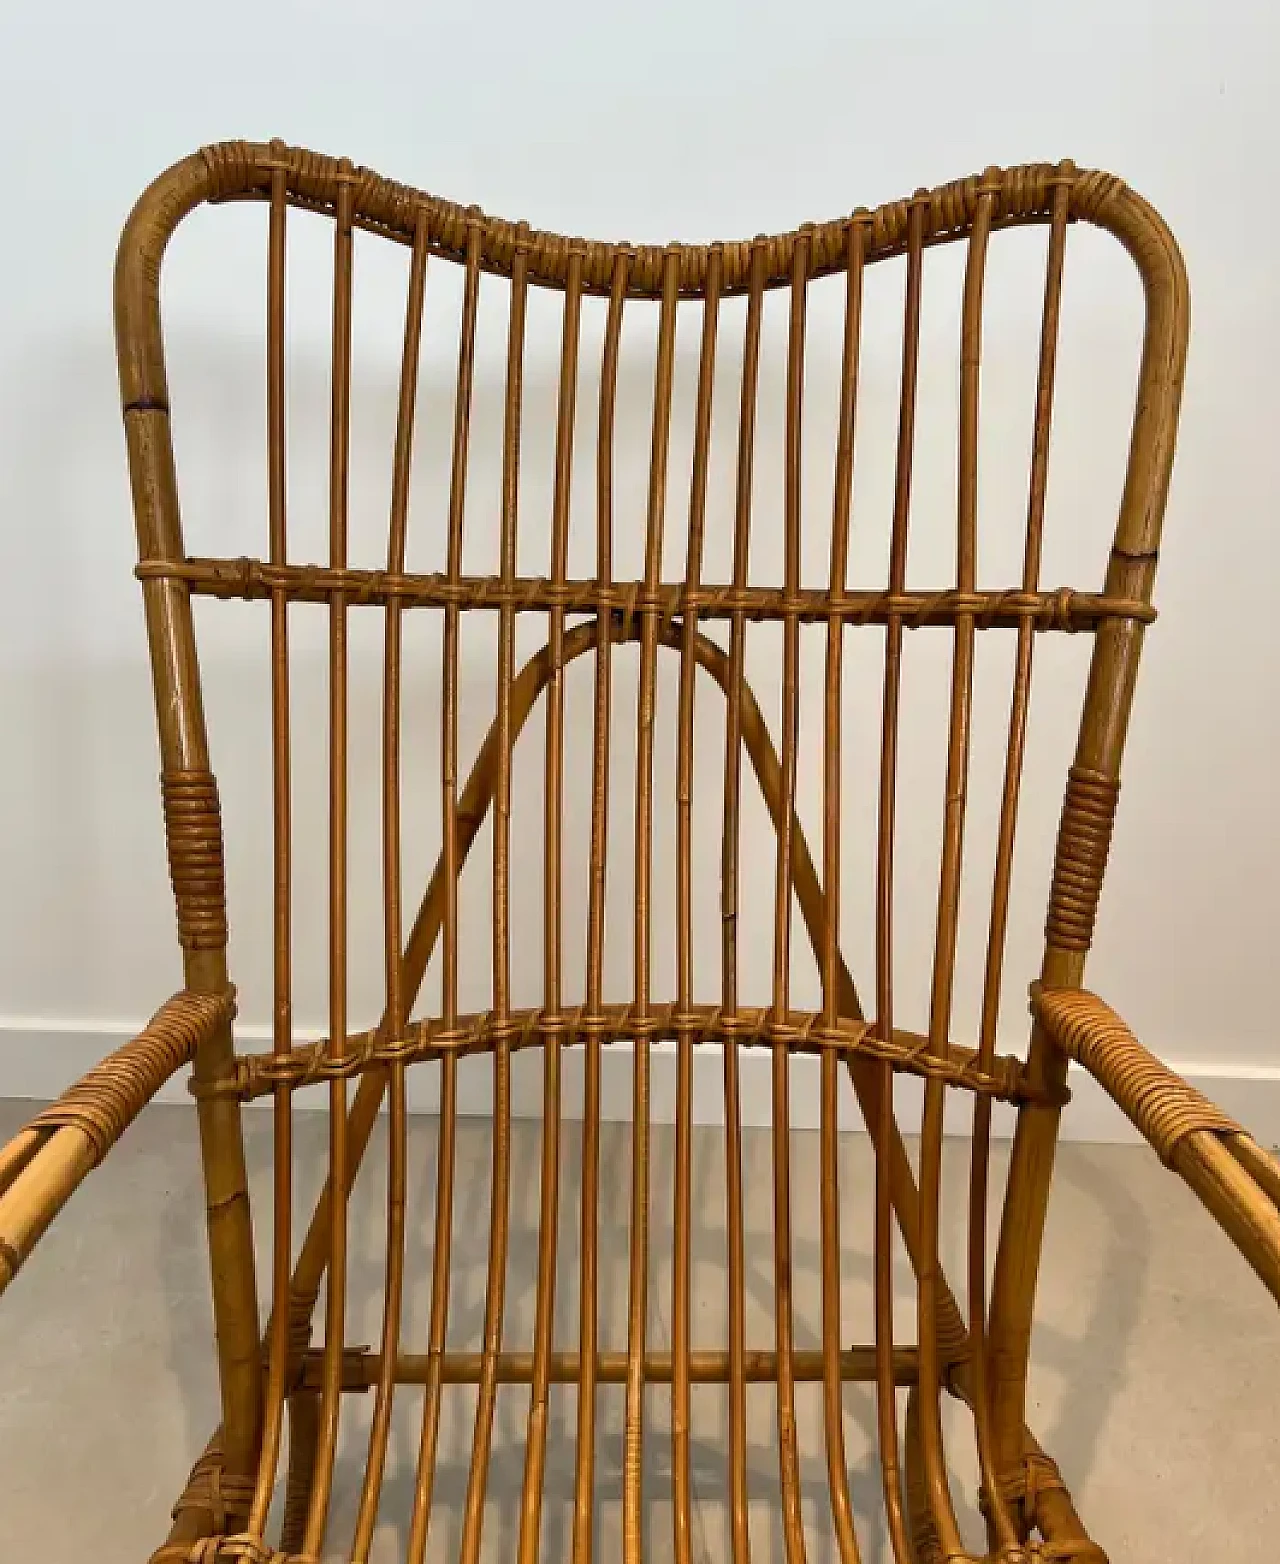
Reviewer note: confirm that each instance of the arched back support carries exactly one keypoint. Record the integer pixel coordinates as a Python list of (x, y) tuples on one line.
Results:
[(969, 1344)]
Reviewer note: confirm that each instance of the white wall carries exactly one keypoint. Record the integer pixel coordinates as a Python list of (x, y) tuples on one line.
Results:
[(702, 121)]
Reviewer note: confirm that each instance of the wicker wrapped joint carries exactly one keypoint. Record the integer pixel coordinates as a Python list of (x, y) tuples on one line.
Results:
[(288, 1369)]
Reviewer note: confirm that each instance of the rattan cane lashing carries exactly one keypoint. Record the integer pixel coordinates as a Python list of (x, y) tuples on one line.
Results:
[(971, 1342)]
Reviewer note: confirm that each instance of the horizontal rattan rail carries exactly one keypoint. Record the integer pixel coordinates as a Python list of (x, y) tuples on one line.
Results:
[(362, 1368), (255, 580), (800, 1032)]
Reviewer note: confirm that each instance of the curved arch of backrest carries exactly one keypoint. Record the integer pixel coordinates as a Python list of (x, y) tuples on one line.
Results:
[(473, 806), (478, 794), (477, 797)]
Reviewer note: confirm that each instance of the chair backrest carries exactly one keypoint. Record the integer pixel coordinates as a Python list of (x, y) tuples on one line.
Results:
[(732, 550)]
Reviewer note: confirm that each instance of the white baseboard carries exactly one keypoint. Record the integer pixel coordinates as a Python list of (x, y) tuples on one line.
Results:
[(38, 1059)]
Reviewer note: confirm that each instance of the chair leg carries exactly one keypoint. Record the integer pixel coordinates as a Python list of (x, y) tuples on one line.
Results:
[(304, 1433), (1039, 1499), (1017, 1267), (1035, 1493), (215, 1503), (926, 1546)]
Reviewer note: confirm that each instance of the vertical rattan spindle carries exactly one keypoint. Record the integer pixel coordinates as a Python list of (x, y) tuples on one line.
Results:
[(682, 1259), (544, 1321), (788, 1451), (729, 906), (500, 1197), (282, 982), (1002, 1523), (933, 1459), (336, 1295), (887, 1142), (450, 866), (832, 1400), (393, 912), (588, 1308), (638, 1281)]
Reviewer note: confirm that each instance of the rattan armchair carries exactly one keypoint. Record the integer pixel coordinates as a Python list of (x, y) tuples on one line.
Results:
[(971, 1343)]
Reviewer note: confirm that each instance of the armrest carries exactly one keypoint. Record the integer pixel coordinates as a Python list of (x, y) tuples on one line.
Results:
[(45, 1162), (1237, 1181)]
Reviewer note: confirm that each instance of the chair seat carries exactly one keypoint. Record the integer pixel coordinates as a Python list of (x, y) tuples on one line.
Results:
[(481, 1489)]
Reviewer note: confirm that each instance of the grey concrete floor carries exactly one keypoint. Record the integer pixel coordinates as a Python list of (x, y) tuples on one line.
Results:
[(1156, 1386)]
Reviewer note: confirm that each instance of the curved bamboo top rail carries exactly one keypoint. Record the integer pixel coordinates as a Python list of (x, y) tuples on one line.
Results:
[(239, 170), (243, 170)]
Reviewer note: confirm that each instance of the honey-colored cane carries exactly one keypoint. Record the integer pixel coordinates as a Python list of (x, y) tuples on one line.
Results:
[(974, 1337)]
